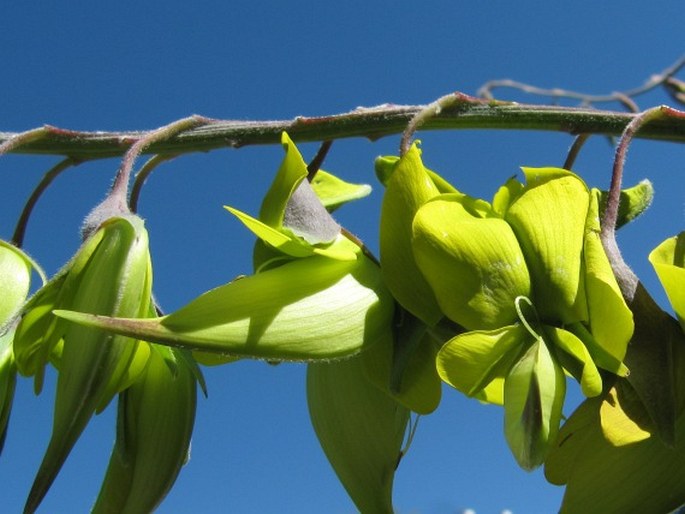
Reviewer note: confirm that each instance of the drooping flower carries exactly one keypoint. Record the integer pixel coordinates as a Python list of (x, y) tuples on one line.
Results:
[(527, 278), (155, 421), (111, 274)]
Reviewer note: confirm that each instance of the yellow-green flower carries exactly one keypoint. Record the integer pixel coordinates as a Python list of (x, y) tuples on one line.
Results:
[(111, 274), (527, 277)]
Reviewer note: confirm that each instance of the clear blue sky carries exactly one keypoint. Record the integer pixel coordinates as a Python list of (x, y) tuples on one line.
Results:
[(138, 65)]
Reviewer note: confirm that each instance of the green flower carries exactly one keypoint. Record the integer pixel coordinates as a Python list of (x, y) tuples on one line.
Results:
[(111, 274), (527, 277), (154, 424)]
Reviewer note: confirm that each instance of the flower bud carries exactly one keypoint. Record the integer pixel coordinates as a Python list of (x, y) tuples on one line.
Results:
[(111, 274), (154, 425)]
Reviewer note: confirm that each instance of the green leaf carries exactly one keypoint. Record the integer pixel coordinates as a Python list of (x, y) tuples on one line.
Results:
[(360, 429), (534, 392), (408, 188), (470, 361), (633, 202), (313, 308), (549, 218), (471, 259)]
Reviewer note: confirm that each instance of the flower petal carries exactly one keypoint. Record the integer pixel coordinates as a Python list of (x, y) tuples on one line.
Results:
[(420, 387), (534, 392), (335, 192), (292, 171), (581, 365), (471, 260), (549, 221), (408, 188), (611, 321), (470, 361), (290, 244), (313, 308)]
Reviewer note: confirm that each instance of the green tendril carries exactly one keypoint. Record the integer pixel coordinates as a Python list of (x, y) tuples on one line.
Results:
[(519, 312)]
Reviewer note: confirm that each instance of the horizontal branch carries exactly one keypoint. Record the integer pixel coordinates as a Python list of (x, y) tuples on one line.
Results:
[(372, 123)]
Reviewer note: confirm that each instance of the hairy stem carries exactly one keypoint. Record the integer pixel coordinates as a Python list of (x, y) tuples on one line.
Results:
[(372, 123), (627, 280)]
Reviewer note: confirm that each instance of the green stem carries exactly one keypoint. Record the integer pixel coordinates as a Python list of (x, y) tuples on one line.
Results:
[(143, 175), (372, 123)]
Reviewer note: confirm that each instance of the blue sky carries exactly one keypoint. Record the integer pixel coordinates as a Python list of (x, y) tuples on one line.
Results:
[(138, 65)]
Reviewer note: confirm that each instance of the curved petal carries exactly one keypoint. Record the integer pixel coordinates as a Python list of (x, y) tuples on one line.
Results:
[(408, 188), (610, 319), (549, 221), (290, 244), (581, 365), (292, 171), (420, 386), (601, 477), (335, 192), (623, 416), (472, 262), (470, 361)]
